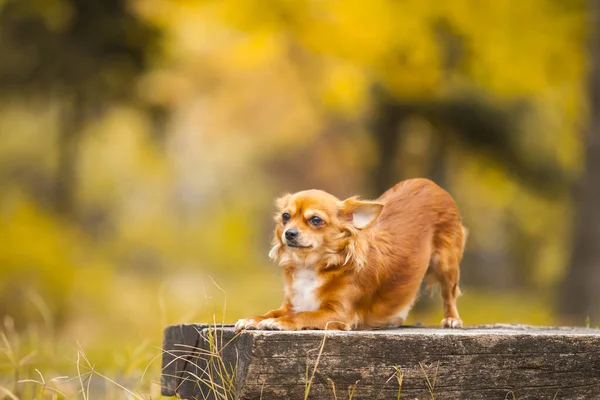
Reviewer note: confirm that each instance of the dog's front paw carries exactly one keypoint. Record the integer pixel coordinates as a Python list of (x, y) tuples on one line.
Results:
[(452, 323), (245, 323), (276, 324)]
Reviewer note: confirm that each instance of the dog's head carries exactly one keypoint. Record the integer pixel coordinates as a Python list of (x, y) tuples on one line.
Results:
[(317, 229)]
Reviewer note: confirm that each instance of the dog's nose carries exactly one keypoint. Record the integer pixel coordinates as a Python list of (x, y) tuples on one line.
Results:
[(291, 234)]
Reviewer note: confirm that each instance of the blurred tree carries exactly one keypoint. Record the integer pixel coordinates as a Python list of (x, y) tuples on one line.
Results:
[(581, 288), (84, 54), (482, 128), (471, 122), (240, 88)]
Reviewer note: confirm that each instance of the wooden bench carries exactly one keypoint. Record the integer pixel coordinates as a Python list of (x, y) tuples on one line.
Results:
[(483, 362)]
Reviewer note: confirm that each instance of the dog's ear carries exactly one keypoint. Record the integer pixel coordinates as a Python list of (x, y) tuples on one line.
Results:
[(282, 201), (363, 213)]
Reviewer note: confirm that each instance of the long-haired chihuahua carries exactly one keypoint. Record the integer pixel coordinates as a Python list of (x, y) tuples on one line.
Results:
[(357, 264)]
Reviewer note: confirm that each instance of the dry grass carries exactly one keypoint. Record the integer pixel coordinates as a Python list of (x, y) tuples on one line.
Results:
[(351, 389), (430, 382), (26, 353), (216, 378), (60, 387), (23, 376), (308, 380), (399, 375), (213, 374)]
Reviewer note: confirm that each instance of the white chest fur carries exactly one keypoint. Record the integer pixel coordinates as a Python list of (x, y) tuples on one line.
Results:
[(304, 290)]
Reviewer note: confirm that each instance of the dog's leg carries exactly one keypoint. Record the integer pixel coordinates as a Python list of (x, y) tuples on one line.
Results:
[(450, 292), (320, 319), (445, 270), (252, 323)]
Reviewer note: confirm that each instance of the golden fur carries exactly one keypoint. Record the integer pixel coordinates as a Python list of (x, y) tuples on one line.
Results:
[(360, 264)]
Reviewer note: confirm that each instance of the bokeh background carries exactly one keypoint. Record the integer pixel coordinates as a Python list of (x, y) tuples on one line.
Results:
[(142, 143)]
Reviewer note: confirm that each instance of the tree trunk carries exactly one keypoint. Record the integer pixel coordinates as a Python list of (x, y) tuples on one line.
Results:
[(388, 119), (581, 287), (68, 147)]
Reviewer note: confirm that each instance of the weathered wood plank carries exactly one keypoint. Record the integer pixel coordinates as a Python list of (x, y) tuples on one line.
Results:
[(475, 363), (182, 359)]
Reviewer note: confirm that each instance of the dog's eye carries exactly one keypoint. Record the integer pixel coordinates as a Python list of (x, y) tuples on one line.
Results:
[(285, 217), (316, 221)]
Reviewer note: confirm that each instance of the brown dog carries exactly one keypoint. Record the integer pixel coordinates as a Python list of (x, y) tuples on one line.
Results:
[(357, 264)]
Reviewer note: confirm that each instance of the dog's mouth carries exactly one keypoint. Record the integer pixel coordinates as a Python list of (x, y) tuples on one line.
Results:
[(297, 246)]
